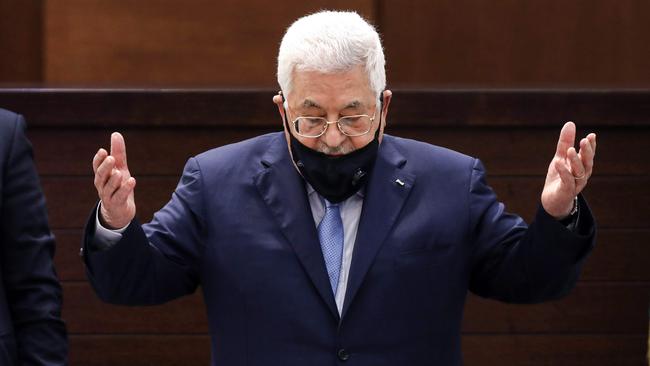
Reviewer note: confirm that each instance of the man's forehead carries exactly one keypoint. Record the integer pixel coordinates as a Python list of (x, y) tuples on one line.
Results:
[(347, 89)]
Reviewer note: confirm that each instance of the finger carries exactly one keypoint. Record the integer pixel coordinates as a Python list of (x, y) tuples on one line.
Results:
[(118, 150), (104, 173), (113, 184), (120, 196), (577, 169), (592, 141), (566, 140), (98, 159), (586, 155)]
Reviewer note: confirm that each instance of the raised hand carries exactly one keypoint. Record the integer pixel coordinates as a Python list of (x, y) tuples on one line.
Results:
[(114, 184), (568, 172)]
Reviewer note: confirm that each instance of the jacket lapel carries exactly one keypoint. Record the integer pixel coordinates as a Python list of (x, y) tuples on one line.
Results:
[(385, 194), (283, 191)]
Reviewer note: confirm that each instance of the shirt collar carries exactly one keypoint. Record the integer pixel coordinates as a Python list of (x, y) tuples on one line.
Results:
[(311, 191)]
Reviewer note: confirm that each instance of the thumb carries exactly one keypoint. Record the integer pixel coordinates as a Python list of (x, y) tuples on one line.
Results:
[(118, 150)]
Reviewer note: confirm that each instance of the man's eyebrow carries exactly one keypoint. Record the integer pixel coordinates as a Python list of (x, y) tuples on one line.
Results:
[(353, 105), (308, 103)]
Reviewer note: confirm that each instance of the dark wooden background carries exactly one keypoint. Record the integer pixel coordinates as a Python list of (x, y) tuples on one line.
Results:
[(492, 79), (233, 43)]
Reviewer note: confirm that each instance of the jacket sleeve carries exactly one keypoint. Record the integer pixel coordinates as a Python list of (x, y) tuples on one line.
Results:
[(156, 262), (513, 262), (32, 288)]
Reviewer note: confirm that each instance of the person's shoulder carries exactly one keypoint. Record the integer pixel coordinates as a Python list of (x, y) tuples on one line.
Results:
[(420, 153), (240, 157), (7, 115), (8, 122), (430, 162), (255, 146)]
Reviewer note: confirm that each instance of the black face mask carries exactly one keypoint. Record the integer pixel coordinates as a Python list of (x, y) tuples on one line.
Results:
[(335, 178)]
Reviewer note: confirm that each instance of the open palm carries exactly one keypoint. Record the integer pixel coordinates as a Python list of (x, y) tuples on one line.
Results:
[(568, 172)]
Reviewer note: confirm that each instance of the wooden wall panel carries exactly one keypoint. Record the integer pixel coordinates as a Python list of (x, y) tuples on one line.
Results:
[(504, 151), (601, 307), (442, 43), (479, 350), (21, 41), (140, 350), (538, 43), (621, 255), (92, 316), (167, 42), (118, 108), (546, 350)]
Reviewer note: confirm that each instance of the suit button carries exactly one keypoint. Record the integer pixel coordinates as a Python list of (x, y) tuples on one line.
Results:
[(343, 354)]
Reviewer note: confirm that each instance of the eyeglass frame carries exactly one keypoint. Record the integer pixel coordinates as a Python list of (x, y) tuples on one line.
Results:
[(338, 125)]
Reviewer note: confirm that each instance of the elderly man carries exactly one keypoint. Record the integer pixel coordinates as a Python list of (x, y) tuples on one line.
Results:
[(332, 241), (31, 330)]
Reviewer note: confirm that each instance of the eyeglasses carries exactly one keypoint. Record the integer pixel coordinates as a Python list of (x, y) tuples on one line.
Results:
[(352, 126)]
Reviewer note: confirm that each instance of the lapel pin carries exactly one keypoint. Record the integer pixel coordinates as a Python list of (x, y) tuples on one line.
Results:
[(399, 181)]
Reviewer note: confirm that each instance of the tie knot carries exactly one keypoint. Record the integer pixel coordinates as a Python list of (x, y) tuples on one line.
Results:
[(329, 204)]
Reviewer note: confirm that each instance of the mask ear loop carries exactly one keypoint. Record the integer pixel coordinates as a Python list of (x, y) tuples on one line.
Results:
[(381, 111), (296, 163), (286, 120)]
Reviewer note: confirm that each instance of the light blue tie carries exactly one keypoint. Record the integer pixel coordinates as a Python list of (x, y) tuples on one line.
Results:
[(330, 234)]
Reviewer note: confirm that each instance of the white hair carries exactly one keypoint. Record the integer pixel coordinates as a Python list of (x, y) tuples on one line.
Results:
[(330, 42)]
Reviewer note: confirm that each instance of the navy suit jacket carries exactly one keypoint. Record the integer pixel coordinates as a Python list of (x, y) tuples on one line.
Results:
[(240, 226), (31, 329)]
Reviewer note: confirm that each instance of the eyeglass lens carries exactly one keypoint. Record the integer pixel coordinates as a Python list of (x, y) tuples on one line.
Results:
[(351, 126)]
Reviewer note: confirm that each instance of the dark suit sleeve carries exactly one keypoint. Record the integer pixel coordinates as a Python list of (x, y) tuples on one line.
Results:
[(520, 264), (32, 289), (155, 262)]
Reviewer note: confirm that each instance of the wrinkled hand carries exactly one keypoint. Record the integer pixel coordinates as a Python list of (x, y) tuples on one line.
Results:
[(568, 172), (114, 185)]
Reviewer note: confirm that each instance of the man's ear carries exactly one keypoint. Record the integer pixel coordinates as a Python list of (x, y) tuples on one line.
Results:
[(386, 96), (278, 99)]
